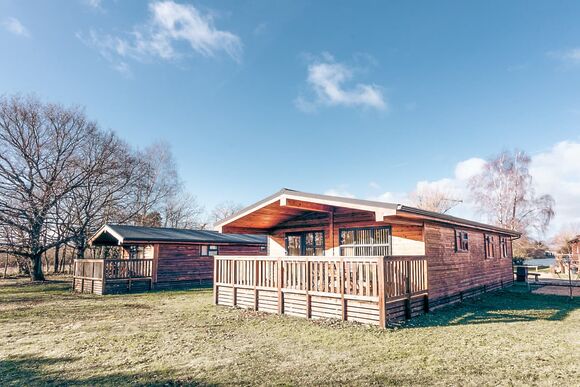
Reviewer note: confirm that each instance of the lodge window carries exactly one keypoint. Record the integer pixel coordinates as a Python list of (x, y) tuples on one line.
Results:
[(209, 250), (489, 246), (503, 244), (136, 252), (367, 241), (310, 243), (461, 241)]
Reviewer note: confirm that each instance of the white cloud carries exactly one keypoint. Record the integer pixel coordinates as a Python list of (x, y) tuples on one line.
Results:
[(13, 25), (95, 4), (170, 23), (327, 80), (569, 57), (339, 191), (557, 172)]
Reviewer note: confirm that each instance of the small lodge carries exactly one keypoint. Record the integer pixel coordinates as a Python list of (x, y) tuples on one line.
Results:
[(135, 258), (358, 260)]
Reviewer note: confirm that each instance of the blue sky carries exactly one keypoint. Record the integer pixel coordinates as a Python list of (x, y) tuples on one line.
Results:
[(359, 98)]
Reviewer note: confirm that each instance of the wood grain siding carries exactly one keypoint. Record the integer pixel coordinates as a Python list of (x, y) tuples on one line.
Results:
[(182, 265), (455, 275)]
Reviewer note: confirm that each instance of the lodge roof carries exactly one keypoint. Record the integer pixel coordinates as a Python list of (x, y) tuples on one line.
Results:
[(381, 209), (123, 234)]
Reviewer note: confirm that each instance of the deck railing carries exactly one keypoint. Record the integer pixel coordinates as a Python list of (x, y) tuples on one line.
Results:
[(93, 275), (112, 268), (366, 281)]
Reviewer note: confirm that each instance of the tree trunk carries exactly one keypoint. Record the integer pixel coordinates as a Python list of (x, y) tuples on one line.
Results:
[(6, 266), (36, 273), (56, 257)]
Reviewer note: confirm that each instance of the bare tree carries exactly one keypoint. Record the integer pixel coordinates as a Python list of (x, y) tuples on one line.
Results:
[(39, 162), (110, 167), (157, 182), (434, 199), (182, 211), (503, 191), (224, 210)]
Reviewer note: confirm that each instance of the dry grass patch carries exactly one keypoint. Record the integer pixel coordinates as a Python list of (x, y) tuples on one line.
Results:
[(51, 336)]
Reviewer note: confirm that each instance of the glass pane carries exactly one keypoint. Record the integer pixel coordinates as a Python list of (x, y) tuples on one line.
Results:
[(293, 243)]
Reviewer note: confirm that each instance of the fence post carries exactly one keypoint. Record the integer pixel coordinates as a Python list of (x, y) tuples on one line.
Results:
[(215, 280), (74, 273), (233, 277), (381, 275), (256, 273), (342, 273), (280, 286), (308, 296), (104, 278), (408, 289)]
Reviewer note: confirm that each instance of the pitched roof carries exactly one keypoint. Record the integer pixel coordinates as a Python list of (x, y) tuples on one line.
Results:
[(381, 209), (125, 234)]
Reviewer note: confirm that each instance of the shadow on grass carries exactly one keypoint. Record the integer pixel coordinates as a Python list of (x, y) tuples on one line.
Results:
[(42, 371), (508, 306)]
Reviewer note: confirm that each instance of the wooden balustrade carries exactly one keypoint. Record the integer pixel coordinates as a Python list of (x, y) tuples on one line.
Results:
[(350, 288), (92, 275)]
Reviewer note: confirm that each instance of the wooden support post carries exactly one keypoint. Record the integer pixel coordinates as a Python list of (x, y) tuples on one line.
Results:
[(155, 263), (280, 286), (256, 274), (308, 296), (234, 289), (381, 276), (342, 274), (103, 278), (215, 280), (408, 286)]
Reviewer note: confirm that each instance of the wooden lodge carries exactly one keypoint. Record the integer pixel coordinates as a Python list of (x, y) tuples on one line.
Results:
[(358, 260), (145, 258)]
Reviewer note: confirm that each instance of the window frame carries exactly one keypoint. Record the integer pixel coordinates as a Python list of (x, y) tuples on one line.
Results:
[(388, 245), (503, 247), (208, 250), (460, 241), (302, 235), (489, 246)]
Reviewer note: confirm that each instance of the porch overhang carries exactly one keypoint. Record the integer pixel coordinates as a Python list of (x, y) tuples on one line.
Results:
[(106, 236), (287, 204)]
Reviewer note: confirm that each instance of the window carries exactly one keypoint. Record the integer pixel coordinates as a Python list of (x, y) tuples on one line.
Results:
[(209, 250), (305, 243), (503, 244), (489, 246), (136, 252), (461, 241), (367, 241)]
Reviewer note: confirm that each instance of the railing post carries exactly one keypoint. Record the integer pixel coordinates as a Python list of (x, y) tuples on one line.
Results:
[(233, 278), (342, 274), (104, 278), (280, 286), (381, 283), (215, 280), (308, 296), (408, 290), (256, 270)]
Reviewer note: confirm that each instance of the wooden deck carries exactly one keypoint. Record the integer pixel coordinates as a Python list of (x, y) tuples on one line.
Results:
[(108, 276), (370, 290)]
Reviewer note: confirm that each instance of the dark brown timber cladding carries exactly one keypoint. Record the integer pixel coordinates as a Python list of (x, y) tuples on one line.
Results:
[(181, 265), (457, 275)]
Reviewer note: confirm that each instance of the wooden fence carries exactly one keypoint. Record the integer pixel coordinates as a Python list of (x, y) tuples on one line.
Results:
[(103, 276), (370, 290)]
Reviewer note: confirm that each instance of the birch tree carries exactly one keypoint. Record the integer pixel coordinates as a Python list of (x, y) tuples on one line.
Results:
[(504, 192)]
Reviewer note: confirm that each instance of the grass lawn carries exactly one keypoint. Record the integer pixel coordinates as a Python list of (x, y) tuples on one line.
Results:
[(49, 335)]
